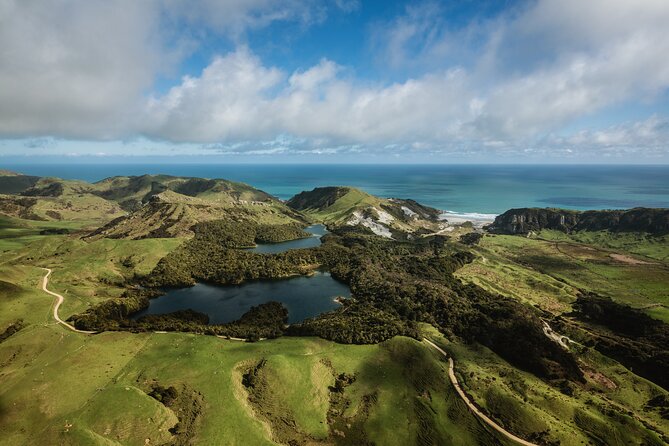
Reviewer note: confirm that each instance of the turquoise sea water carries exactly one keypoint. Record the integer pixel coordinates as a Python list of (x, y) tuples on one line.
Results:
[(488, 189)]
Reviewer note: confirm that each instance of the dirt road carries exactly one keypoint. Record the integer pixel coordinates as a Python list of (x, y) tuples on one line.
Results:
[(472, 407), (59, 300)]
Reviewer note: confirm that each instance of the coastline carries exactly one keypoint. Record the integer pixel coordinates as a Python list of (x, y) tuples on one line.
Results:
[(476, 218)]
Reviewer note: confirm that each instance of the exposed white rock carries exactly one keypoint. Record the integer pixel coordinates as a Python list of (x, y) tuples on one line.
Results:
[(384, 217), (377, 228), (408, 212)]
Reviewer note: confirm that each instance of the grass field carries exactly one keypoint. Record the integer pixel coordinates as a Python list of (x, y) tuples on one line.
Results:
[(596, 413), (550, 272)]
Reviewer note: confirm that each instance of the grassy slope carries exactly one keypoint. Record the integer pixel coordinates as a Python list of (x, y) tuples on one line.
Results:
[(525, 404), (124, 188), (653, 247), (75, 204), (549, 273), (341, 211), (342, 208), (172, 214), (56, 384), (80, 267), (42, 364)]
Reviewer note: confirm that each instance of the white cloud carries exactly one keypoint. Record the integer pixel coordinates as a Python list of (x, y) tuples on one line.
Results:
[(651, 133), (74, 68), (541, 68), (238, 98), (82, 68), (563, 59)]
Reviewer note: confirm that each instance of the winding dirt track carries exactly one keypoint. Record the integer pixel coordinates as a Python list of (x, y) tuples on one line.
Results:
[(472, 407), (59, 300)]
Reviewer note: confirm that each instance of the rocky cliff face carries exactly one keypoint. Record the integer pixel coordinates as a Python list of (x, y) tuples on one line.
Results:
[(524, 220)]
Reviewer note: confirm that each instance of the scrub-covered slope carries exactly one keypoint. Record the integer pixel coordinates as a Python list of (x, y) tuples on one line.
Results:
[(163, 206), (133, 191), (46, 199)]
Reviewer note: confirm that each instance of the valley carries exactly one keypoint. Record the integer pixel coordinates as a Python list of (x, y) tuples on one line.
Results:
[(352, 373)]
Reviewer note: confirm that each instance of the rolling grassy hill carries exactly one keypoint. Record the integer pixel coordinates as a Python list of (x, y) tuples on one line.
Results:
[(14, 183), (171, 214), (132, 192), (152, 206), (348, 206), (54, 199)]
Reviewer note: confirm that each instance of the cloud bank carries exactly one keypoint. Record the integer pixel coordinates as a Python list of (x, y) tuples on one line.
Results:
[(513, 81)]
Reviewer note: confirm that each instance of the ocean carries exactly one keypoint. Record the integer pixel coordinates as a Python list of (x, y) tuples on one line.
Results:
[(458, 189)]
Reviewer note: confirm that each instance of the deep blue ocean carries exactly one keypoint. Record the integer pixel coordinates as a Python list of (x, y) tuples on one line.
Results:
[(488, 189)]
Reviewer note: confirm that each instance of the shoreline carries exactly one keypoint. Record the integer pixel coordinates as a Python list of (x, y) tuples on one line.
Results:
[(476, 218)]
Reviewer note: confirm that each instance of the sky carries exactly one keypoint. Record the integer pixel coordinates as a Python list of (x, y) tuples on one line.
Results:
[(341, 81)]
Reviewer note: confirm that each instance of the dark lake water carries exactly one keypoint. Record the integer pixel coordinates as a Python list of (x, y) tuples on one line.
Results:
[(272, 248), (304, 297)]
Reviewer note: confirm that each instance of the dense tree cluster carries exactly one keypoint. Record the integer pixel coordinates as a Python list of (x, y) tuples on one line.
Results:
[(279, 233), (208, 256), (471, 238), (113, 314), (394, 284), (11, 329), (413, 281), (355, 324), (266, 320)]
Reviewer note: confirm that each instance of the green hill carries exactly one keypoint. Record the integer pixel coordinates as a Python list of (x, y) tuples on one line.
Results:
[(133, 191), (348, 206), (54, 199), (134, 207), (170, 214), (14, 183)]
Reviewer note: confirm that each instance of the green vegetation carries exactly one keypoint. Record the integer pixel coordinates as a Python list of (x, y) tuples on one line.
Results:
[(551, 274), (263, 321), (635, 339), (339, 206), (393, 284), (570, 415), (525, 220), (332, 204), (127, 377), (214, 255), (484, 299), (357, 393), (654, 247)]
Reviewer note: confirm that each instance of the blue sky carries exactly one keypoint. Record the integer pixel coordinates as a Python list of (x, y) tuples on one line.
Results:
[(461, 81)]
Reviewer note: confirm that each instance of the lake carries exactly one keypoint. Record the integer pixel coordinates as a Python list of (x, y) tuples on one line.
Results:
[(309, 242), (304, 297)]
